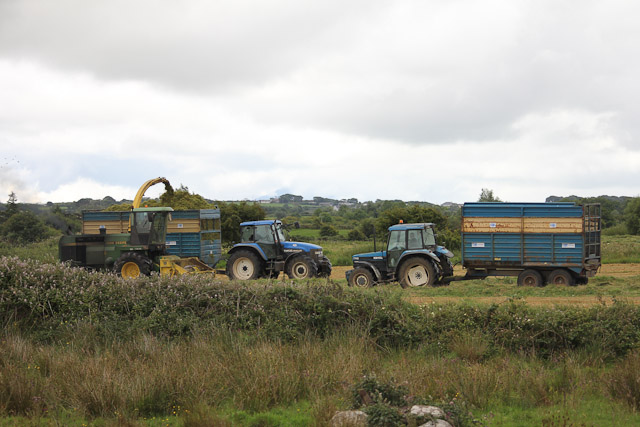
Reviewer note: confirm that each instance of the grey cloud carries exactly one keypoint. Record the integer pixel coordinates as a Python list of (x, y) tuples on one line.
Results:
[(191, 45)]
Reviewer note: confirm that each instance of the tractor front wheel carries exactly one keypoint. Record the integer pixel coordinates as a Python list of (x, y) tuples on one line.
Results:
[(361, 278), (131, 265), (244, 265), (302, 267), (416, 272)]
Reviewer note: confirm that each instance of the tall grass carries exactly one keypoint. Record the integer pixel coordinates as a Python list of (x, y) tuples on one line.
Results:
[(147, 376)]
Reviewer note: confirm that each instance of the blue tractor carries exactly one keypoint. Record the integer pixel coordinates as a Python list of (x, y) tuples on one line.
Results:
[(412, 258), (264, 252)]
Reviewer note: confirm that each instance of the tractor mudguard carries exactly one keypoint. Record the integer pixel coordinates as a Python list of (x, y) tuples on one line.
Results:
[(373, 268), (253, 246)]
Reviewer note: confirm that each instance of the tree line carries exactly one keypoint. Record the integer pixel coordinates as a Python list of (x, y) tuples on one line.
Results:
[(23, 223)]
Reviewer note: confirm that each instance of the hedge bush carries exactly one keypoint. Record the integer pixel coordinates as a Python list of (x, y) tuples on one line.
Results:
[(45, 300)]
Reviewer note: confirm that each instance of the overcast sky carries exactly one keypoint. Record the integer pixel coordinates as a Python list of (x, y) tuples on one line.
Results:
[(414, 100)]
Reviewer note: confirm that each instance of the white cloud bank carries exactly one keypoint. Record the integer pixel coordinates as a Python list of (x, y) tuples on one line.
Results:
[(376, 100)]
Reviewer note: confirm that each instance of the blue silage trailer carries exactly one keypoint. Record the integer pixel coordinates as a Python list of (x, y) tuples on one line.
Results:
[(537, 242)]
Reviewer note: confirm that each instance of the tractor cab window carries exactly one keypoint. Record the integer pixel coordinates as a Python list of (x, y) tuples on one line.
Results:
[(396, 240), (414, 239), (429, 237), (264, 234), (143, 222), (158, 232), (280, 233), (247, 234), (149, 227), (397, 245)]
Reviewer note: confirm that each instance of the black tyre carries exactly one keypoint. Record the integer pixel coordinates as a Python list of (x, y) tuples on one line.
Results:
[(415, 272), (561, 277), (361, 278), (131, 265), (530, 278), (244, 265), (324, 270), (302, 267)]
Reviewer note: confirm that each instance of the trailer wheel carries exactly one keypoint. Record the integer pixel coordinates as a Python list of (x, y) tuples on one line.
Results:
[(415, 272), (361, 278), (302, 267), (244, 265), (131, 265), (530, 278), (561, 277)]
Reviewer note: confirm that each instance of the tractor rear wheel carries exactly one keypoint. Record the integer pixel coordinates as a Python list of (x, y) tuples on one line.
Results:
[(244, 265), (361, 278), (302, 267), (131, 265), (415, 272), (324, 270)]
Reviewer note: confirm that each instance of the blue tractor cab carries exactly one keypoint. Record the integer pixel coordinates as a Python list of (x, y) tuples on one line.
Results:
[(412, 258), (264, 251)]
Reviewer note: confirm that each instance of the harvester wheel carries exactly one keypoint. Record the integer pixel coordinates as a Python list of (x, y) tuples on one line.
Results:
[(244, 265), (131, 265), (561, 277), (361, 278), (530, 278), (416, 271), (302, 267)]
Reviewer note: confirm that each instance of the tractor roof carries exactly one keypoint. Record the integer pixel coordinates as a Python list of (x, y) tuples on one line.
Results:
[(415, 226), (262, 222)]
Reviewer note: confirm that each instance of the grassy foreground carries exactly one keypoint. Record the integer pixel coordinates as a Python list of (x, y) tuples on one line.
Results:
[(84, 348)]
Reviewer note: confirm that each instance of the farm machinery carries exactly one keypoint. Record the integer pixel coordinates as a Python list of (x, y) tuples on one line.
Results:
[(131, 244), (264, 251), (136, 242), (412, 258), (538, 243)]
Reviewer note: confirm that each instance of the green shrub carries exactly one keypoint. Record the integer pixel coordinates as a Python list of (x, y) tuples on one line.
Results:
[(45, 298), (369, 390)]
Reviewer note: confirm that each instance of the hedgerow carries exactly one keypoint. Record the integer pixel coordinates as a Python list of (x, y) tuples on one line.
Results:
[(45, 300)]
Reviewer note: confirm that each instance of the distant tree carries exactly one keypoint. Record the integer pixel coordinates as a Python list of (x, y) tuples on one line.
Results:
[(632, 216), (356, 234), (232, 214), (487, 196), (328, 231), (367, 227), (12, 204), (410, 214), (23, 227)]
